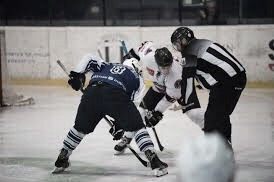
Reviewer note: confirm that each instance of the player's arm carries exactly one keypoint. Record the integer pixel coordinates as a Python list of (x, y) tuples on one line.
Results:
[(140, 50), (139, 94), (88, 63), (161, 107)]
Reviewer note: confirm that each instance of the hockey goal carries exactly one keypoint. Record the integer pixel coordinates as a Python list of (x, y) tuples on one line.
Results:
[(8, 97)]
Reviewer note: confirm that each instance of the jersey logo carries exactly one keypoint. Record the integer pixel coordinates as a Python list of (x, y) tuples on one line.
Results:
[(118, 69), (150, 71), (177, 83), (142, 46), (148, 51)]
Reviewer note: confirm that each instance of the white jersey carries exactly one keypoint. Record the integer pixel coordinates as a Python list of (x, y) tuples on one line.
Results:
[(146, 53), (169, 84)]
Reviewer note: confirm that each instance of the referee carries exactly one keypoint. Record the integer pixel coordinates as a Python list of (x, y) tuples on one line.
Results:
[(216, 70)]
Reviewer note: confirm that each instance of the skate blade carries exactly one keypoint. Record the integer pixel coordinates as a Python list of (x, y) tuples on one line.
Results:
[(119, 152), (160, 172), (58, 170)]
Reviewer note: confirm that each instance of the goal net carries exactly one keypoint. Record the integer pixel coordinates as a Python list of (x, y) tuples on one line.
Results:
[(8, 97)]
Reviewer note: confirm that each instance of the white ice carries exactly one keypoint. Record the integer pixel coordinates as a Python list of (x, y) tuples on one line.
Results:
[(31, 136)]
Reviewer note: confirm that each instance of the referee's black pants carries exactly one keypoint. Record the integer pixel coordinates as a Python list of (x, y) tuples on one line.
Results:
[(223, 98)]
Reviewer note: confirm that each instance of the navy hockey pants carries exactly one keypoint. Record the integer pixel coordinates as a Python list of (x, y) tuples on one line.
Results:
[(100, 99)]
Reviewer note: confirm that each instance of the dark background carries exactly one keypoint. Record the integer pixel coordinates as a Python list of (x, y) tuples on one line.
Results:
[(128, 12)]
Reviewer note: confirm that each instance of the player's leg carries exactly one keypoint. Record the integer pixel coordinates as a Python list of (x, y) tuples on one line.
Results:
[(151, 99), (131, 121), (85, 123), (149, 102)]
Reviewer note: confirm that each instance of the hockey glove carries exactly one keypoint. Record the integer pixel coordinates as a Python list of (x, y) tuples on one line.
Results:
[(76, 80), (155, 117), (131, 54), (116, 132)]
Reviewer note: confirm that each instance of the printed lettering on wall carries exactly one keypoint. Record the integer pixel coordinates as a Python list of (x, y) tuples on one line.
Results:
[(271, 56), (25, 57)]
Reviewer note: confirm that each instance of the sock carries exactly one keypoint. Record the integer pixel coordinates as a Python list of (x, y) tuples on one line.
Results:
[(72, 140), (143, 140)]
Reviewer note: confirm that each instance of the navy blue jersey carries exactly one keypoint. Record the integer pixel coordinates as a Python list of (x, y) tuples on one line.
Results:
[(117, 75)]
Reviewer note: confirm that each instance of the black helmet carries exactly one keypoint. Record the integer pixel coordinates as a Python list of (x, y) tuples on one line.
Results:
[(163, 57), (182, 32)]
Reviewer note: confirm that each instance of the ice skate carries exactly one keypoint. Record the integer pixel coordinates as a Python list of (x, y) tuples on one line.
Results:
[(62, 162), (158, 167), (122, 145)]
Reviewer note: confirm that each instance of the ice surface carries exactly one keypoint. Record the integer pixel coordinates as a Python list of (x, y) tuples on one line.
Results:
[(31, 136)]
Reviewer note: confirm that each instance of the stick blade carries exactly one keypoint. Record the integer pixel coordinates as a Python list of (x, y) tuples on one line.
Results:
[(58, 170), (160, 172)]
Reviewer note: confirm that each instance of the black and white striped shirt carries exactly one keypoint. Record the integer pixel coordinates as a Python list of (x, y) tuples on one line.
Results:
[(208, 62), (215, 65)]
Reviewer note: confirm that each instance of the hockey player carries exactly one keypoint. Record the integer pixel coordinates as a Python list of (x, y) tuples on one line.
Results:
[(120, 85), (217, 71), (165, 72)]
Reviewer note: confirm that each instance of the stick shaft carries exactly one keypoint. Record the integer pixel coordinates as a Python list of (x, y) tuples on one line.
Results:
[(157, 139), (124, 46), (63, 67), (154, 131)]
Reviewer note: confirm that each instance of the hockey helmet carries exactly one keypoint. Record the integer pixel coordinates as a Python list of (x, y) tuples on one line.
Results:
[(164, 60), (163, 57), (135, 64), (181, 37)]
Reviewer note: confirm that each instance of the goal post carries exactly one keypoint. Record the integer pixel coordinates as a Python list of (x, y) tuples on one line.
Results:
[(1, 89), (8, 97)]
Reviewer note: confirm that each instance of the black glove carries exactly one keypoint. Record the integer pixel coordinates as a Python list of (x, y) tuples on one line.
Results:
[(131, 54), (155, 117), (116, 132), (76, 80)]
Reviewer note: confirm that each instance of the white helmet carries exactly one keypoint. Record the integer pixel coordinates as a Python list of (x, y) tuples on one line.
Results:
[(206, 158), (135, 64)]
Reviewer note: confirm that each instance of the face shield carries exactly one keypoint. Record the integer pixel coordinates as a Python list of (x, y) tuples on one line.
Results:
[(180, 44), (164, 69)]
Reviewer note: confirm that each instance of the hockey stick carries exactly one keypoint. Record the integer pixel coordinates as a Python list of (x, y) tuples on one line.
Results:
[(153, 128), (157, 138), (124, 46), (110, 123)]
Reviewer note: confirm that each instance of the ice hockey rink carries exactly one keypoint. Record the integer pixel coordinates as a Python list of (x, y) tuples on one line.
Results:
[(31, 136)]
